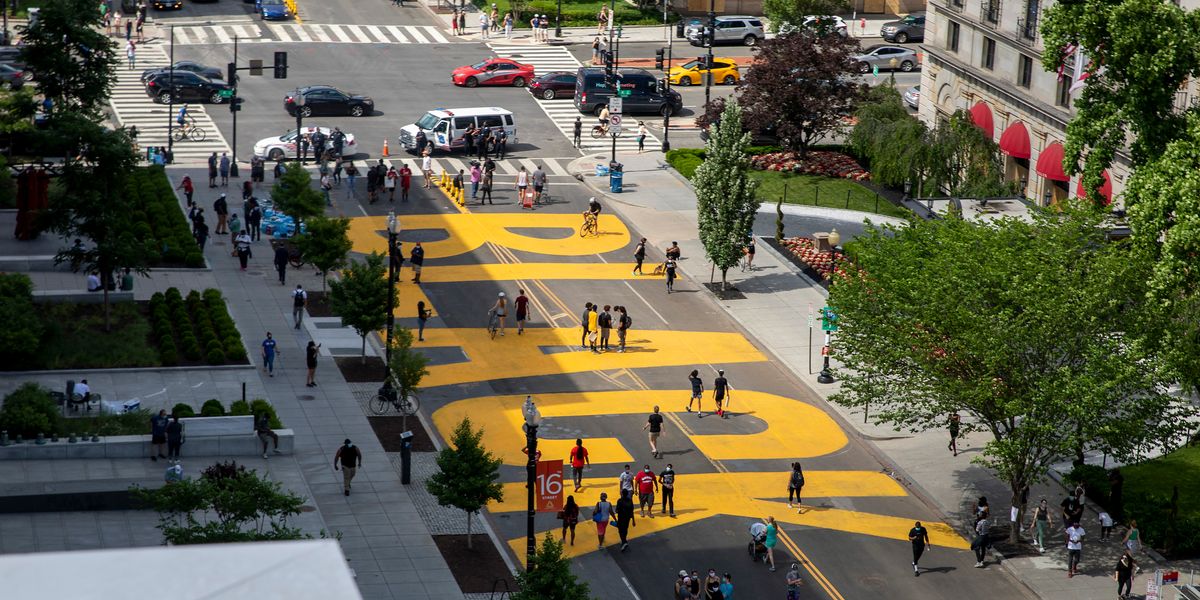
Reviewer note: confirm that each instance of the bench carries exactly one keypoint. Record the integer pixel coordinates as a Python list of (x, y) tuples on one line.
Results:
[(78, 297), (138, 446)]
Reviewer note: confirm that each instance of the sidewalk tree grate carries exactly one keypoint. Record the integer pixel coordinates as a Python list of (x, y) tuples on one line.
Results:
[(729, 293)]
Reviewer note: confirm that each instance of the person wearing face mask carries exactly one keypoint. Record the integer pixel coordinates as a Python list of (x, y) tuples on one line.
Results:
[(349, 458), (712, 586)]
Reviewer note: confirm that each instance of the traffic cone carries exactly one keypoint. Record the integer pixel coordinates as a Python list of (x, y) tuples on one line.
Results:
[(385, 148)]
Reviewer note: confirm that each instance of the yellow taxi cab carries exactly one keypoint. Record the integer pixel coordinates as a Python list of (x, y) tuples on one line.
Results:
[(690, 73)]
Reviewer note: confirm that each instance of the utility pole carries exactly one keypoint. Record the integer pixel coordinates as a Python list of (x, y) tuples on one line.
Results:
[(666, 142), (234, 108), (708, 41), (171, 99)]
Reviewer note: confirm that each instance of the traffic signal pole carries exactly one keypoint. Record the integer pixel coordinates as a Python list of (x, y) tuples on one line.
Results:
[(712, 34), (233, 108)]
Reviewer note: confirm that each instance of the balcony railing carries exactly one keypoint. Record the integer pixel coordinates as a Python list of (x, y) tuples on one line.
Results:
[(955, 5), (1027, 29), (989, 13)]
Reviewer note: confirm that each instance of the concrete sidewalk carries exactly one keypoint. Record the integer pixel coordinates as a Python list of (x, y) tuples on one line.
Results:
[(778, 299)]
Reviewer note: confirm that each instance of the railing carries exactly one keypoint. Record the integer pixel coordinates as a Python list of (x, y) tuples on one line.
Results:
[(1027, 29), (989, 13), (956, 5)]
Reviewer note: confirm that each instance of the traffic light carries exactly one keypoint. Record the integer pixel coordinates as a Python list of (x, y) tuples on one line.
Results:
[(235, 104), (281, 65), (231, 72), (707, 36), (660, 86), (609, 71), (658, 59)]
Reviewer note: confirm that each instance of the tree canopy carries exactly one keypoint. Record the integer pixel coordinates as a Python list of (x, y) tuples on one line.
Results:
[(75, 62), (725, 200), (360, 297), (551, 578), (408, 366), (1029, 328), (467, 473), (325, 243), (294, 195), (792, 12)]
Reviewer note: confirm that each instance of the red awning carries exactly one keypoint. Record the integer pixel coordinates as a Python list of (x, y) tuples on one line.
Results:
[(1049, 163), (1105, 189), (981, 115), (1015, 141)]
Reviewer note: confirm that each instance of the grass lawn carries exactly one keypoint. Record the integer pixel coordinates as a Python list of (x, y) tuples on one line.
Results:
[(75, 338), (574, 13), (823, 191), (1158, 476)]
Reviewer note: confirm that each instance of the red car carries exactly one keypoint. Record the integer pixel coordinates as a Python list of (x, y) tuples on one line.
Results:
[(493, 71)]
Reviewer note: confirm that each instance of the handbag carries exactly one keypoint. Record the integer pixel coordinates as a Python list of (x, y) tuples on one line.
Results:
[(597, 517), (561, 515)]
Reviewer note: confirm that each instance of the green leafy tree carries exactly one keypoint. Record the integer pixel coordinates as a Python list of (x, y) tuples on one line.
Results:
[(725, 200), (467, 474), (17, 109), (28, 411), (552, 578), (88, 202), (74, 60), (961, 161), (792, 12), (360, 297), (325, 243), (892, 141), (408, 365), (1030, 329), (294, 195), (22, 331)]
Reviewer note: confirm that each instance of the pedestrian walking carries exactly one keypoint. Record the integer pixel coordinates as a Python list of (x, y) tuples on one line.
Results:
[(188, 189), (600, 515), (522, 305), (485, 188), (1072, 510), (569, 516), (980, 543), (605, 321), (349, 458), (458, 181), (624, 322), (500, 311), (654, 423), (299, 301), (593, 321), (647, 485), (669, 267), (327, 188), (919, 537), (212, 171), (1074, 535), (625, 518), (423, 315), (697, 392), (201, 233), (639, 254), (1106, 525), (587, 310), (254, 220), (223, 167), (522, 184), (454, 22), (796, 485), (625, 480), (269, 349), (221, 208), (793, 582), (577, 136), (595, 61), (666, 480), (712, 586), (310, 360), (602, 19), (508, 25), (1123, 574), (281, 263), (235, 228), (351, 176), (130, 49), (955, 424), (241, 244), (1041, 524), (405, 181), (642, 132), (722, 394), (427, 168), (262, 427), (158, 435), (174, 438), (578, 459), (476, 176), (771, 540), (1133, 537), (484, 25), (494, 18), (539, 183), (417, 258)]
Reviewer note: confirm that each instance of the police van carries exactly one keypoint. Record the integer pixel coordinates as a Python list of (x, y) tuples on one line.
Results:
[(444, 127)]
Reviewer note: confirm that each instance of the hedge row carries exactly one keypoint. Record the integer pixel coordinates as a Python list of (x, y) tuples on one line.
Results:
[(199, 327), (213, 408), (160, 219)]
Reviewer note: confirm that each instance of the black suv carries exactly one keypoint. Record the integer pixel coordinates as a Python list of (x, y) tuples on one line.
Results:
[(185, 86), (908, 29), (592, 94)]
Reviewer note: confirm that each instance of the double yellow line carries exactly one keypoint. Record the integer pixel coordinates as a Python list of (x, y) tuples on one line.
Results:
[(812, 569)]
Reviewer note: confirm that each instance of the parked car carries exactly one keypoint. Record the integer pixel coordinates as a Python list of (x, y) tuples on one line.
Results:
[(328, 100), (189, 66), (13, 77), (277, 147), (830, 23), (493, 71), (165, 4), (591, 93), (908, 29), (885, 58), (912, 96), (689, 73), (553, 84), (185, 86), (11, 56), (731, 30), (272, 10)]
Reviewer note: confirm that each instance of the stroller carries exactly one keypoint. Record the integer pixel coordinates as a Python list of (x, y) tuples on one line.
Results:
[(756, 547)]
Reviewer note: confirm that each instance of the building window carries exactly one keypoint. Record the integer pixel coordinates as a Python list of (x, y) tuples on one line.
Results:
[(989, 53), (1024, 71), (952, 37), (1063, 97), (991, 11)]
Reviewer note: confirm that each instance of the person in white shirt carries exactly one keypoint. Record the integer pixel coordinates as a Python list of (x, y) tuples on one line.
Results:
[(483, 25), (427, 168), (1075, 535), (93, 282)]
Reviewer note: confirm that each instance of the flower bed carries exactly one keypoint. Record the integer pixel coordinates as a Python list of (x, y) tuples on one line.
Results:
[(823, 262), (818, 162), (195, 330)]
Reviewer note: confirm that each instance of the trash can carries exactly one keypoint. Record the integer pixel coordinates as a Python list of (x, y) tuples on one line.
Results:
[(616, 174)]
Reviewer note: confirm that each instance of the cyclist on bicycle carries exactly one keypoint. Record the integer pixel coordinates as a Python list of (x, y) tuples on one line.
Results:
[(604, 118), (594, 206), (498, 311)]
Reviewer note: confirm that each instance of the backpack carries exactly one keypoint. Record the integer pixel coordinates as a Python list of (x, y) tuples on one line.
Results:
[(298, 299), (627, 320), (797, 479)]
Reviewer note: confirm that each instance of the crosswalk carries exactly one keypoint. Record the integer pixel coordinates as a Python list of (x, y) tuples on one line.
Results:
[(249, 32), (562, 111), (134, 108), (555, 168)]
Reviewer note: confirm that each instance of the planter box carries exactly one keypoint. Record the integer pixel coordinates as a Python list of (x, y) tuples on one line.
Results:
[(138, 446)]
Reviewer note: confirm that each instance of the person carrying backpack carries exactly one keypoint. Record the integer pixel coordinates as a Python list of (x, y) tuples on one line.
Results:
[(795, 484), (299, 300)]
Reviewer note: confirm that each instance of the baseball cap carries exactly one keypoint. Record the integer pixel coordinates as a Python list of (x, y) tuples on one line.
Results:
[(682, 573)]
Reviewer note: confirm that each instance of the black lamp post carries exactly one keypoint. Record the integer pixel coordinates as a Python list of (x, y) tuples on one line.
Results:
[(171, 98), (710, 39), (666, 142), (533, 418), (558, 21), (393, 229), (298, 100)]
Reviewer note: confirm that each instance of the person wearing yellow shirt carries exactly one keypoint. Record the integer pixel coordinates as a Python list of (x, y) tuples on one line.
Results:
[(593, 320)]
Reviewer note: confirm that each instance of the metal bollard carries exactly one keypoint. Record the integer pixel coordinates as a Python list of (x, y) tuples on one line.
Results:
[(406, 457)]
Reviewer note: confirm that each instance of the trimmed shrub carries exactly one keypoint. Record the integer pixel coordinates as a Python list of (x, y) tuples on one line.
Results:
[(194, 260), (183, 411), (685, 160), (212, 408), (168, 355), (239, 408), (28, 411), (215, 357), (259, 405)]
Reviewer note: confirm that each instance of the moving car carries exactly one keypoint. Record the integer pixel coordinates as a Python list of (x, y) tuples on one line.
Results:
[(13, 77), (592, 94), (908, 29), (274, 148), (328, 100), (185, 86), (553, 84), (493, 71), (189, 66), (165, 4), (689, 73), (885, 58), (444, 127), (912, 96), (272, 10), (731, 30), (830, 23)]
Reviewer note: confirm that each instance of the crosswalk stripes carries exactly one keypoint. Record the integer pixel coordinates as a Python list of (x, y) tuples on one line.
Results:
[(562, 111), (134, 108), (555, 168), (191, 35)]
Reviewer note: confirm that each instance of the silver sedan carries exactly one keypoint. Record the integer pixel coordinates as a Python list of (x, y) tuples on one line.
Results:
[(886, 58)]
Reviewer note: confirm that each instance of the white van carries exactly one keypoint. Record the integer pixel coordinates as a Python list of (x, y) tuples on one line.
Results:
[(444, 126)]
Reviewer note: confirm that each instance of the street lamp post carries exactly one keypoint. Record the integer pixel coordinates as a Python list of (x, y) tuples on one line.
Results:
[(533, 418), (393, 229), (711, 38), (826, 375), (666, 142), (171, 98), (558, 21), (298, 100)]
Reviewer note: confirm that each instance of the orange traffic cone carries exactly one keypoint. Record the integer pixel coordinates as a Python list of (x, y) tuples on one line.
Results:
[(385, 148)]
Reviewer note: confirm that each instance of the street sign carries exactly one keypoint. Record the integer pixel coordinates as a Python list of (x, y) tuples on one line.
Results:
[(226, 93), (828, 319), (614, 106), (624, 93), (614, 123), (810, 315), (875, 71), (548, 485)]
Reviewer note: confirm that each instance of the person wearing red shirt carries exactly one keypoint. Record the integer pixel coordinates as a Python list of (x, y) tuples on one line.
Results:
[(579, 457), (646, 484), (188, 189), (522, 304), (405, 181)]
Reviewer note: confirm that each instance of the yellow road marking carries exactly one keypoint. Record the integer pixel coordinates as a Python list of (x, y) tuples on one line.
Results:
[(501, 418), (530, 271), (812, 569), (467, 232)]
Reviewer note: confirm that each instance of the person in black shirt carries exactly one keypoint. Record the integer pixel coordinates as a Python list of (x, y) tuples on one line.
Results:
[(639, 254), (1124, 574), (605, 322), (578, 131), (919, 536), (654, 423), (625, 518), (174, 437), (349, 458), (720, 392), (666, 480)]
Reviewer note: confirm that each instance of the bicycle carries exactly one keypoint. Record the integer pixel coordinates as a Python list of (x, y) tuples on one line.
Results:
[(599, 131), (405, 403), (589, 226), (295, 256), (493, 323), (189, 132)]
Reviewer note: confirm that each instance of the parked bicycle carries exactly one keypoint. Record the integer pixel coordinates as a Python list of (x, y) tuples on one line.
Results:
[(404, 401), (295, 256)]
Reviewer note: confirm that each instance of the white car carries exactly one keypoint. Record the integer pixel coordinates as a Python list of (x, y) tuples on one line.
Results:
[(284, 146), (834, 23)]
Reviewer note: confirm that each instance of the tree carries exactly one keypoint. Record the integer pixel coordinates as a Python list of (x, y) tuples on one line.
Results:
[(792, 12), (959, 160), (725, 201), (294, 195), (803, 84), (22, 332), (88, 202), (1030, 328), (892, 141), (467, 474), (360, 297), (325, 243), (225, 504), (73, 58), (552, 579), (408, 365)]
